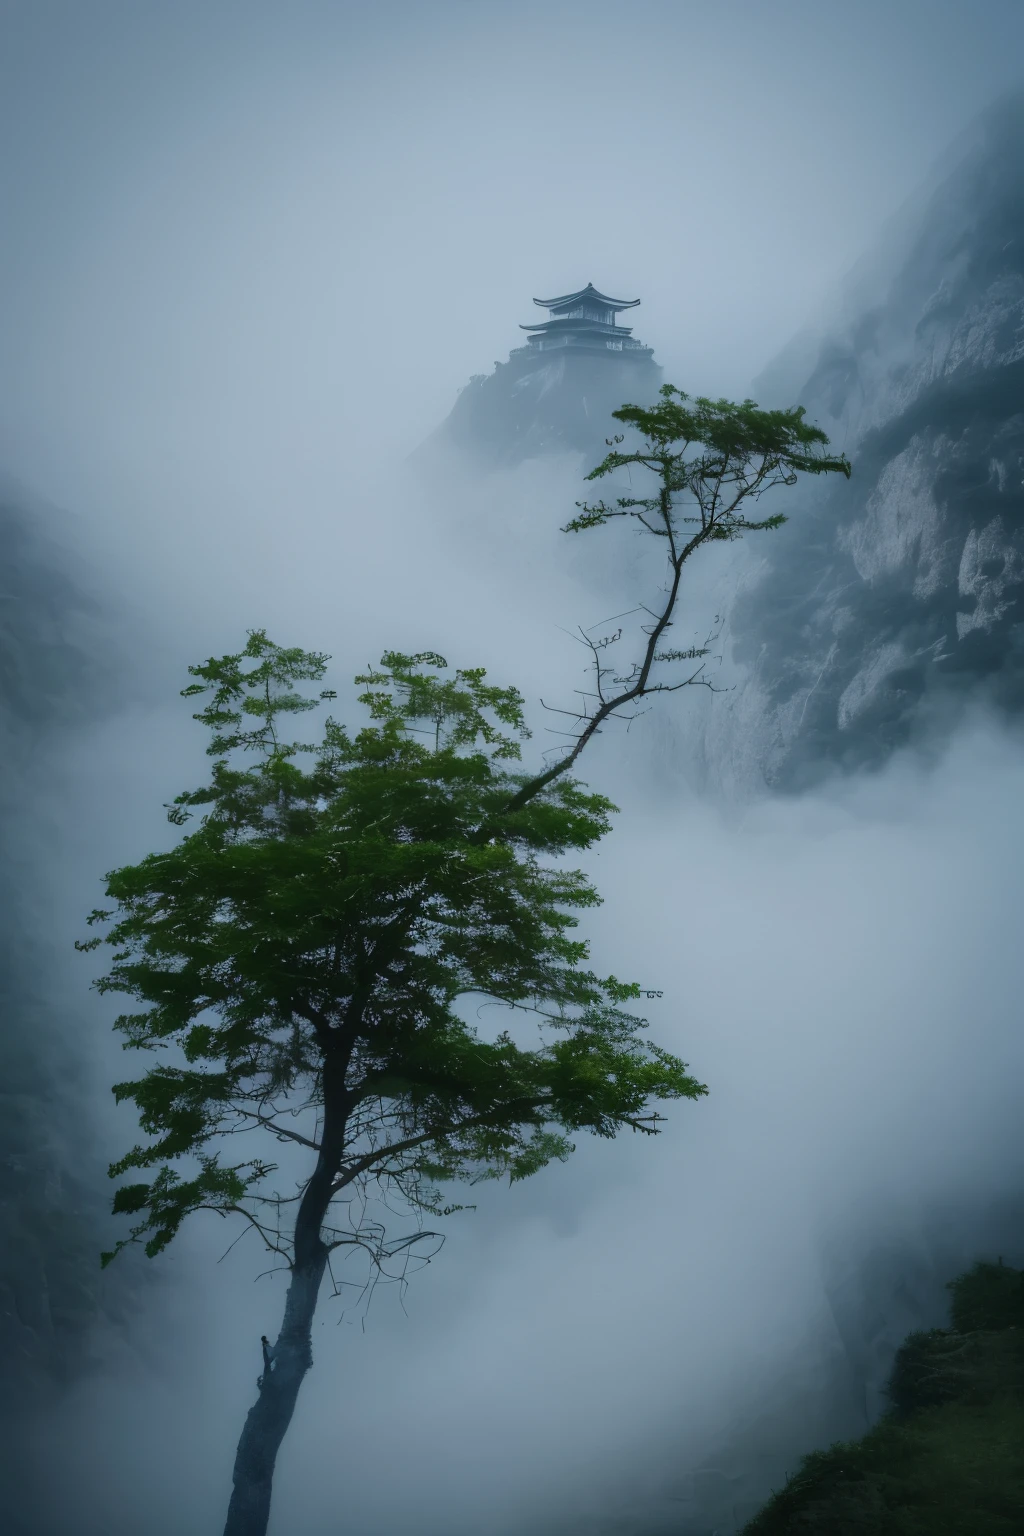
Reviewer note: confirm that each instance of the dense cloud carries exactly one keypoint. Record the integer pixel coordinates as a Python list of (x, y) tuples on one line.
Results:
[(250, 258), (843, 972)]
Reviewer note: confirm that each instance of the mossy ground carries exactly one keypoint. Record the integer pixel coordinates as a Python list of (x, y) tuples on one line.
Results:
[(949, 1459)]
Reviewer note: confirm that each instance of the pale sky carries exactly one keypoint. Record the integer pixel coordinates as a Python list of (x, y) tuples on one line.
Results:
[(249, 252), (212, 210)]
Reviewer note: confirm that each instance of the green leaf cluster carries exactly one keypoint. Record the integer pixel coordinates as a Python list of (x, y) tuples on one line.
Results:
[(946, 1460), (710, 457), (309, 950)]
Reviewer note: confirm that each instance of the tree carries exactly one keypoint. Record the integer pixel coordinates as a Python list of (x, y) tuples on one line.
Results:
[(304, 951)]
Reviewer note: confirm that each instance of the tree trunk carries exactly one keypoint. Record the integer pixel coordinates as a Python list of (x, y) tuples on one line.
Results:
[(269, 1417)]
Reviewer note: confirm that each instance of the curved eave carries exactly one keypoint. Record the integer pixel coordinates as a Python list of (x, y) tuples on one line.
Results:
[(565, 300), (591, 327)]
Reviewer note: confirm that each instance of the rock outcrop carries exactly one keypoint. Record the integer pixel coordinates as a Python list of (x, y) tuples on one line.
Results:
[(540, 402), (56, 672), (891, 601)]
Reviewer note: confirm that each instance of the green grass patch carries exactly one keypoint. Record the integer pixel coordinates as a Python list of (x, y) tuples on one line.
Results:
[(949, 1459)]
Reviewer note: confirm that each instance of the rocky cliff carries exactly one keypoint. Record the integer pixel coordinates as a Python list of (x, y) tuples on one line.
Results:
[(56, 671), (890, 602), (539, 403), (886, 607)]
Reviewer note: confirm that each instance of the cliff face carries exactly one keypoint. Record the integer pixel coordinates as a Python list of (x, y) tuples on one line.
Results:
[(890, 601), (55, 673), (547, 402), (878, 613)]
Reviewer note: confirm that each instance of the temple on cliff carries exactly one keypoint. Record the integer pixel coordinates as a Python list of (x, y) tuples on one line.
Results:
[(556, 393), (584, 320)]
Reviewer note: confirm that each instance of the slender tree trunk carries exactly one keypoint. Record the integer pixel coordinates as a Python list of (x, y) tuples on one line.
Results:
[(269, 1417)]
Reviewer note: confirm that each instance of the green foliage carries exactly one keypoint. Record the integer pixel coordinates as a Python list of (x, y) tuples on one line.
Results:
[(942, 1366), (169, 1199), (988, 1296), (710, 456), (304, 950), (950, 1471), (929, 1369), (308, 951), (946, 1461), (708, 460)]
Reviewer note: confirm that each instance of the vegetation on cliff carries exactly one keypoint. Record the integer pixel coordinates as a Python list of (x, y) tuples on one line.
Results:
[(948, 1459), (308, 953)]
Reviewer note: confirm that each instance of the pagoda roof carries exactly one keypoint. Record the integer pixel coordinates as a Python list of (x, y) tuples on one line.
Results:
[(589, 292), (563, 325)]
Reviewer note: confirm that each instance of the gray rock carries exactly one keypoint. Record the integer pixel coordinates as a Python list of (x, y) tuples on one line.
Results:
[(537, 403), (57, 672), (892, 601)]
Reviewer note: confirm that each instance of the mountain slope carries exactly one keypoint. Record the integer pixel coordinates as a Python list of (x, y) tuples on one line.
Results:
[(890, 602), (541, 402), (56, 673), (947, 1460)]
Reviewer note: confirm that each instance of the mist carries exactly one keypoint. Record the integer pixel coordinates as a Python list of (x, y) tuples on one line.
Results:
[(842, 970), (251, 254)]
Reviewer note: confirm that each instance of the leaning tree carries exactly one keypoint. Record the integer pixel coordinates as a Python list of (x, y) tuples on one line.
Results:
[(305, 953)]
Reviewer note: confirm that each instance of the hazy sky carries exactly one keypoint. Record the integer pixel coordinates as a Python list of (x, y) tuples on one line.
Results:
[(241, 219), (248, 255)]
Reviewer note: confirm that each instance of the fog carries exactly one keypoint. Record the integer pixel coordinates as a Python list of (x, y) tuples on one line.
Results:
[(251, 253), (843, 972)]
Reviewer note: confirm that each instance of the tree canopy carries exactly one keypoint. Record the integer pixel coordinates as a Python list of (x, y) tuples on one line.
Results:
[(310, 953), (334, 904)]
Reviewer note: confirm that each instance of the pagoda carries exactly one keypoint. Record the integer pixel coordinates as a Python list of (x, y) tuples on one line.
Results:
[(584, 321), (558, 391)]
